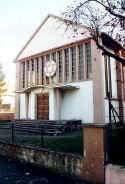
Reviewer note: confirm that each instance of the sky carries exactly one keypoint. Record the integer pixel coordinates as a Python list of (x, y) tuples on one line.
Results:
[(18, 21)]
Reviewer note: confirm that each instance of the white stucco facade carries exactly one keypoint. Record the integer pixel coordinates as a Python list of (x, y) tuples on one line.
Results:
[(77, 103)]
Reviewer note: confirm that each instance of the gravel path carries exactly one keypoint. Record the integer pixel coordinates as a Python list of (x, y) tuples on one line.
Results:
[(15, 173)]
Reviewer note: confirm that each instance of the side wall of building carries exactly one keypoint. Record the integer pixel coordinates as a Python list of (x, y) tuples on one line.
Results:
[(78, 103)]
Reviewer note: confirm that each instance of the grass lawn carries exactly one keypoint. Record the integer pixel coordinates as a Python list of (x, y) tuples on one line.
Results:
[(3, 122), (71, 144), (67, 143)]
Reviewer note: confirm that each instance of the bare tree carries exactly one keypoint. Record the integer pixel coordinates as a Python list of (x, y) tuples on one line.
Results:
[(104, 18)]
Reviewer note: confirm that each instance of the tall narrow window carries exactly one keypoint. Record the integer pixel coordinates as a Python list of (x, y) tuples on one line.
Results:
[(54, 56), (37, 71), (47, 59), (37, 66), (23, 74), (81, 63), (66, 64), (88, 60), (28, 73), (60, 65), (43, 65), (74, 63), (33, 73), (28, 66), (32, 65)]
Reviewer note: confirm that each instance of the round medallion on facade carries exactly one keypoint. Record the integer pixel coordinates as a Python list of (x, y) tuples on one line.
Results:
[(50, 68)]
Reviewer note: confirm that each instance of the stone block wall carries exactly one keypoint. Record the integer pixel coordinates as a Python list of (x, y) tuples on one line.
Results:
[(61, 162), (89, 167)]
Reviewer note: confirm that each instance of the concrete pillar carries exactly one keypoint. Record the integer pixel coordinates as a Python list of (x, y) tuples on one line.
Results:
[(98, 83), (93, 168)]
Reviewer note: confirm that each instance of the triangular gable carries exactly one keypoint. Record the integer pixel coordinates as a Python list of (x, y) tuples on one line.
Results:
[(52, 33)]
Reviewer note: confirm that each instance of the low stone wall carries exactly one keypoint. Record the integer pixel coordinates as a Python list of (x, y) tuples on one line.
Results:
[(61, 162), (90, 167), (115, 174), (6, 116)]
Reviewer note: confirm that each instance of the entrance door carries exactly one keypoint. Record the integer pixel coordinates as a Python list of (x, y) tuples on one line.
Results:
[(43, 106)]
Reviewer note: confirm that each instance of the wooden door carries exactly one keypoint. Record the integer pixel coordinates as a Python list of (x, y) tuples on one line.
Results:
[(43, 106)]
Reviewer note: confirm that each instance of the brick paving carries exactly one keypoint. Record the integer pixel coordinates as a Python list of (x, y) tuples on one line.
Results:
[(12, 172)]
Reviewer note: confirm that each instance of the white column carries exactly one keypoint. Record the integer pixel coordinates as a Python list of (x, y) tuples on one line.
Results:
[(32, 106), (52, 104)]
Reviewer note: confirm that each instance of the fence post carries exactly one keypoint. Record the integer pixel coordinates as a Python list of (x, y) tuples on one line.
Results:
[(42, 138), (12, 133)]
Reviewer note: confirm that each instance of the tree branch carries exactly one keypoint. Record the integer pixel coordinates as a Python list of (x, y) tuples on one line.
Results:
[(106, 7), (108, 53)]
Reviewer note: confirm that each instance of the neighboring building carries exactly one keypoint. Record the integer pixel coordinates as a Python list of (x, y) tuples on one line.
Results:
[(8, 97), (62, 76)]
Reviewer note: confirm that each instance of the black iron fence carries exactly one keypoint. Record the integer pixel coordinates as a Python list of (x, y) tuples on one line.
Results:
[(116, 144), (57, 137)]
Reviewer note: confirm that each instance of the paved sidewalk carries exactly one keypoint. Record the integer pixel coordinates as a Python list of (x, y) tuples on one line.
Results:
[(15, 173)]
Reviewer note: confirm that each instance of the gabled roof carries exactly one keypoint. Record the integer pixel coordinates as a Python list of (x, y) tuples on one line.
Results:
[(53, 32)]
